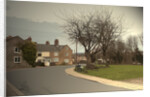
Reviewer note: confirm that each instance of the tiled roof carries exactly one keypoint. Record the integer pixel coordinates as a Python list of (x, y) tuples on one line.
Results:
[(15, 37), (51, 48)]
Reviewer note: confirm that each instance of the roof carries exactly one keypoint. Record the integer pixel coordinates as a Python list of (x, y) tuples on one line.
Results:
[(15, 37), (51, 48), (79, 54)]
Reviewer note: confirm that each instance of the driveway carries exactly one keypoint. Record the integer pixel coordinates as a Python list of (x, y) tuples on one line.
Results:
[(53, 80)]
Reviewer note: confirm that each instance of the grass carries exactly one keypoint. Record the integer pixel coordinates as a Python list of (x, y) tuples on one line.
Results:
[(118, 72)]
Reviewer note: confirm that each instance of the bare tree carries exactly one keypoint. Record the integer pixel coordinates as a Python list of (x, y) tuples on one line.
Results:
[(108, 30), (81, 30), (116, 51), (132, 43), (141, 38), (94, 31)]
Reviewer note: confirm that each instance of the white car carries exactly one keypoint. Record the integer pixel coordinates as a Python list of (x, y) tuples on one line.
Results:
[(47, 62)]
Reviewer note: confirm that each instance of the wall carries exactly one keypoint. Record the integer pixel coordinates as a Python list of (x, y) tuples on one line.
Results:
[(10, 45), (62, 55)]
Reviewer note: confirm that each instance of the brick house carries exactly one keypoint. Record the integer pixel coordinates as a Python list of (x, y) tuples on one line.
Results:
[(56, 53), (13, 52)]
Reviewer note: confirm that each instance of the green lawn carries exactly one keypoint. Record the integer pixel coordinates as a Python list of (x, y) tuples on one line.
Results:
[(118, 72)]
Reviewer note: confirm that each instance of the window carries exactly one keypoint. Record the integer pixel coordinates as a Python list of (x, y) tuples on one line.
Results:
[(16, 50), (66, 54), (66, 48), (17, 59), (66, 60), (55, 53), (56, 59), (39, 54)]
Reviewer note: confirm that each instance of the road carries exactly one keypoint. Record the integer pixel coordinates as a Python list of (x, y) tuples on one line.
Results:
[(53, 80)]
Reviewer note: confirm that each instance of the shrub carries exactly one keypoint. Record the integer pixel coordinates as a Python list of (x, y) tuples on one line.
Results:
[(29, 52), (53, 63), (91, 67), (63, 63), (39, 64), (78, 68)]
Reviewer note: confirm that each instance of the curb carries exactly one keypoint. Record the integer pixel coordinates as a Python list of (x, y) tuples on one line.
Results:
[(120, 84), (14, 89)]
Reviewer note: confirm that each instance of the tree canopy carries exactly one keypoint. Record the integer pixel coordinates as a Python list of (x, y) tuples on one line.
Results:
[(29, 52), (94, 31)]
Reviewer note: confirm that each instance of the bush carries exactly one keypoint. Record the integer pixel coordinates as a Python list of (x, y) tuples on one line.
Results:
[(29, 52), (53, 64), (83, 62), (39, 64), (91, 67), (78, 68), (63, 63)]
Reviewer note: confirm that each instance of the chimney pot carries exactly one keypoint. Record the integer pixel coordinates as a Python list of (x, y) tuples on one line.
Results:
[(56, 42), (47, 43), (29, 39)]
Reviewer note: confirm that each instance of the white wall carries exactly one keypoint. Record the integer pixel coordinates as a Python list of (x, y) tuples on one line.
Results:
[(43, 54)]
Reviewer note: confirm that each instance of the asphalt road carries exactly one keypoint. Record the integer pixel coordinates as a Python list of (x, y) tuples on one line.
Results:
[(53, 80)]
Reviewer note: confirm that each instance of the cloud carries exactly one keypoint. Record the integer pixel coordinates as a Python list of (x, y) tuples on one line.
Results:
[(39, 31)]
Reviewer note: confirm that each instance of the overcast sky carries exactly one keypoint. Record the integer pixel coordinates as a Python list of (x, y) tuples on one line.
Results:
[(42, 21)]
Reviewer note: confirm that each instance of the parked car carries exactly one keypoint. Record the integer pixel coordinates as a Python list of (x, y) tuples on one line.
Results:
[(46, 62)]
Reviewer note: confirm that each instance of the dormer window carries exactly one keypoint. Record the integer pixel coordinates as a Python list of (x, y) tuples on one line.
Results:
[(16, 50)]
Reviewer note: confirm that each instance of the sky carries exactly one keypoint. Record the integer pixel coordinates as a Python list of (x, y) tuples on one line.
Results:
[(43, 20)]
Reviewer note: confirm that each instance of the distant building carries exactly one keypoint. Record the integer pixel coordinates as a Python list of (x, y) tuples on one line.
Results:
[(56, 53), (81, 58)]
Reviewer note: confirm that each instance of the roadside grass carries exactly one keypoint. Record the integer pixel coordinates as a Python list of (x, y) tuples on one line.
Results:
[(117, 72)]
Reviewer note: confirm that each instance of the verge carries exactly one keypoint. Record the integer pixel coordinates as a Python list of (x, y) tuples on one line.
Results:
[(115, 83)]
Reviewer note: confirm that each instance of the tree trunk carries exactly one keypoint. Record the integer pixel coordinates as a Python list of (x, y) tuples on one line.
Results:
[(93, 58), (88, 57), (104, 57)]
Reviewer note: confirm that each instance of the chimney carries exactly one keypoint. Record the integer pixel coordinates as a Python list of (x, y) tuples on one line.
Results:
[(56, 42), (47, 43), (8, 37), (29, 39)]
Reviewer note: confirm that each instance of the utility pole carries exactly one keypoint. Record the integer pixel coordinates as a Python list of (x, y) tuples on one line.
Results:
[(76, 49)]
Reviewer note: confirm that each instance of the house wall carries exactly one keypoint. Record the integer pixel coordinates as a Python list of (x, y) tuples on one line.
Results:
[(58, 57), (10, 54), (53, 57), (43, 54), (62, 55)]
